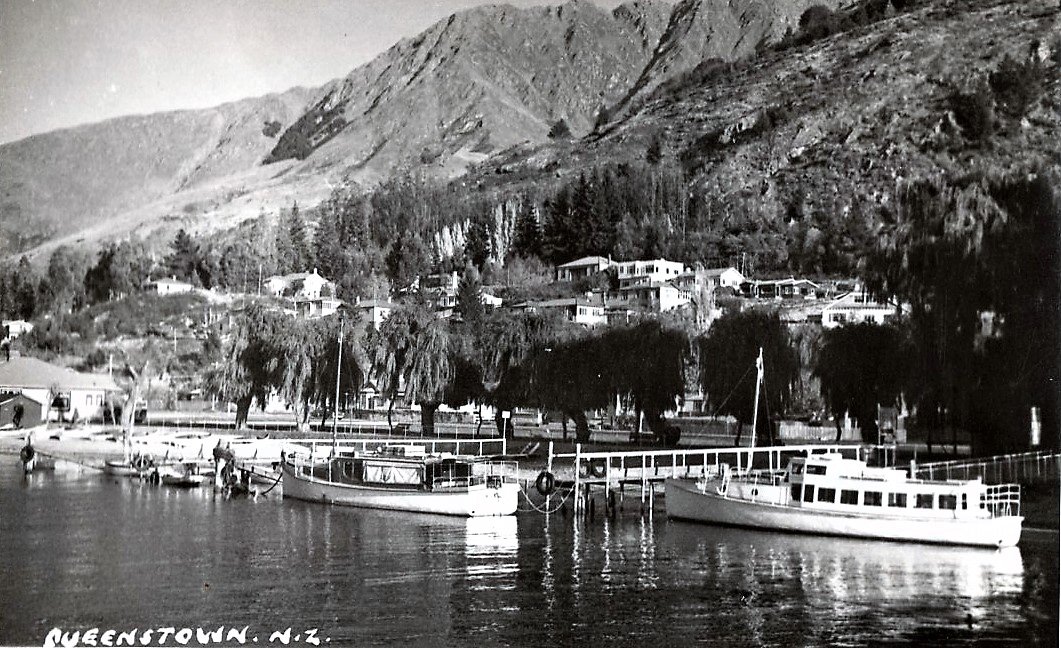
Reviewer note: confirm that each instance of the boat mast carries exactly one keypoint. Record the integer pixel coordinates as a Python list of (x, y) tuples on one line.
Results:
[(755, 408), (338, 373)]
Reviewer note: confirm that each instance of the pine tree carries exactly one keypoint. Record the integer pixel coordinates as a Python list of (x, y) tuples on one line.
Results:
[(469, 297), (528, 239), (183, 259)]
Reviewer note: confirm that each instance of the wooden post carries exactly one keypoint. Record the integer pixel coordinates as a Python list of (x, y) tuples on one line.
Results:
[(549, 469), (578, 462)]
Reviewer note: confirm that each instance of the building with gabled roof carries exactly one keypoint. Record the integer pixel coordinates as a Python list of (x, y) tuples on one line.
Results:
[(583, 268), (72, 392)]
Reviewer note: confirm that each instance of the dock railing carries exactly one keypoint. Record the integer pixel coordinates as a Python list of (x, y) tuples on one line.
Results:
[(1024, 467), (645, 468)]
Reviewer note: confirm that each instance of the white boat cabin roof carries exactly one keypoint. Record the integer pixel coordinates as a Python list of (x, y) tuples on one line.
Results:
[(834, 464)]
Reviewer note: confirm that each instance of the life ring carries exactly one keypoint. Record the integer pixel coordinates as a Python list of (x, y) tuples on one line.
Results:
[(545, 484), (27, 453), (598, 467)]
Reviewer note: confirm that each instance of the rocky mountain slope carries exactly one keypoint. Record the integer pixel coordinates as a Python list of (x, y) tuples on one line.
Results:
[(830, 127), (469, 86)]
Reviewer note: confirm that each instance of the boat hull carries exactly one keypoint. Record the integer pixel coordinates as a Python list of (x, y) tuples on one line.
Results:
[(120, 469), (685, 501), (184, 481), (473, 501)]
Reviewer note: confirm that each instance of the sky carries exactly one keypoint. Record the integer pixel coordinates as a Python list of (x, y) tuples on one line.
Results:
[(69, 62)]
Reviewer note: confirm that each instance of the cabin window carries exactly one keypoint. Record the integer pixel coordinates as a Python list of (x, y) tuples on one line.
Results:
[(797, 469), (826, 494), (848, 497), (797, 492), (808, 493), (965, 501), (815, 470), (348, 470), (871, 498), (897, 500), (949, 502), (923, 501)]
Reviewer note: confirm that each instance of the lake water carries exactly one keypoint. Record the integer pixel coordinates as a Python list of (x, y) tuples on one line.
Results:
[(81, 551)]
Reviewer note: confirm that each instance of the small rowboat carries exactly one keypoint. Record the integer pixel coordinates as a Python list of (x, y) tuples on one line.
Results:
[(184, 481)]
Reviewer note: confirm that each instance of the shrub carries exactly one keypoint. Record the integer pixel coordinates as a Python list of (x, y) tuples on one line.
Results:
[(1016, 85), (974, 113), (560, 130)]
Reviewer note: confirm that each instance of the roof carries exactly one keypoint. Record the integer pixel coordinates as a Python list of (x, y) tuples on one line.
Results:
[(32, 373), (585, 261), (374, 303), (560, 303), (718, 272)]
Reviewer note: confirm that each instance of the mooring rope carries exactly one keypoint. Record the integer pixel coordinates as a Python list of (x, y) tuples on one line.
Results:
[(542, 509)]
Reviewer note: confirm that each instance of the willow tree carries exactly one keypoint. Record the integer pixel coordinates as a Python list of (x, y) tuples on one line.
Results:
[(350, 369), (249, 371), (862, 366), (977, 258), (414, 354), (728, 354)]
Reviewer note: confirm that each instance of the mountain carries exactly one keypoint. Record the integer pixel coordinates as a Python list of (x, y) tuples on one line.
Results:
[(830, 127), (473, 84), (700, 30)]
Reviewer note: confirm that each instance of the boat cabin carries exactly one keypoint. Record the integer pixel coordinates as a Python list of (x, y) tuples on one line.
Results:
[(830, 482), (399, 467)]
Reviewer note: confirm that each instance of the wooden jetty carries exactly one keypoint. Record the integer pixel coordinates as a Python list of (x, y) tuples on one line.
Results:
[(642, 470)]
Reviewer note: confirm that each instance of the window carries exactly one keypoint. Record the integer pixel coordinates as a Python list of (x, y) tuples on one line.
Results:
[(797, 491), (348, 469), (808, 493), (965, 501), (797, 469), (826, 494), (949, 502), (924, 501), (897, 500), (871, 498), (815, 470), (848, 497)]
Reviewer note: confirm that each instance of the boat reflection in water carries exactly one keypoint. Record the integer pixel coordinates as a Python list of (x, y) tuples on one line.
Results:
[(871, 590)]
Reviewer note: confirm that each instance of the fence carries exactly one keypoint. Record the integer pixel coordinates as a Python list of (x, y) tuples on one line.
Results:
[(1025, 467)]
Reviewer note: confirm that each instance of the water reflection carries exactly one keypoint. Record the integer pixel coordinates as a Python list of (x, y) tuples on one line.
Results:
[(91, 551)]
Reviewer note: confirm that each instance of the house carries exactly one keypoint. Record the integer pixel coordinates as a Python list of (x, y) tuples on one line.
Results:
[(583, 268), (656, 296), (169, 286), (62, 391), (300, 285), (375, 311), (490, 301), (575, 309), (320, 307), (790, 288), (858, 306), (29, 412), (724, 277), (16, 328), (441, 289), (633, 273)]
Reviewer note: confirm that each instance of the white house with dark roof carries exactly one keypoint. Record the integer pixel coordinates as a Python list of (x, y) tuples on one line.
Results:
[(857, 306), (583, 268), (83, 394), (376, 311), (299, 285), (575, 309)]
